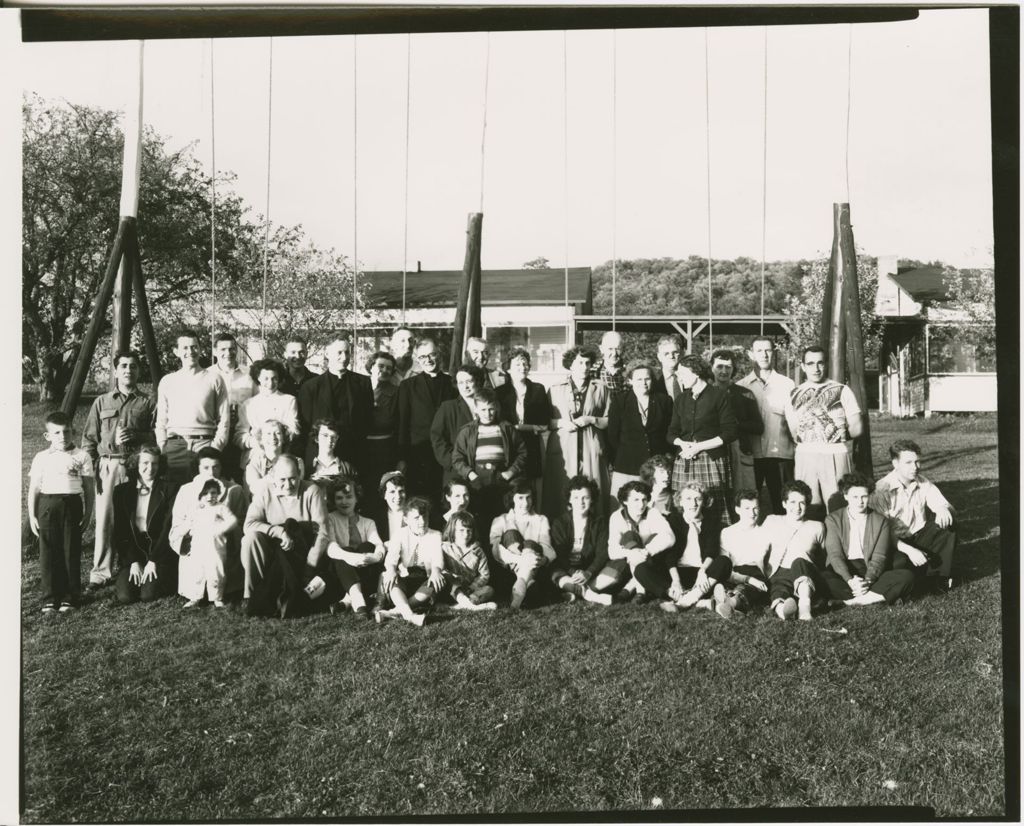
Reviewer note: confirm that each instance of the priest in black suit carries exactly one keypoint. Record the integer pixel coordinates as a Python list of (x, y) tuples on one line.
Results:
[(342, 396), (419, 398)]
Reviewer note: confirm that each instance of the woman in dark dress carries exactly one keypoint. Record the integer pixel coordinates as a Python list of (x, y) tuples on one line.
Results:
[(525, 405)]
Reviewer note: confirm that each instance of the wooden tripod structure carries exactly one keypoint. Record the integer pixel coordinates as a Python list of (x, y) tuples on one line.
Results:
[(842, 338), (123, 275), (467, 307)]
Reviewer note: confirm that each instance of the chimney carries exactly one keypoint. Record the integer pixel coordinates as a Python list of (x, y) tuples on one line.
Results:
[(419, 265)]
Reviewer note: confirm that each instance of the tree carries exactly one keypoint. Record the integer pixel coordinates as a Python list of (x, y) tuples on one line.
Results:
[(972, 294), (539, 263), (804, 306)]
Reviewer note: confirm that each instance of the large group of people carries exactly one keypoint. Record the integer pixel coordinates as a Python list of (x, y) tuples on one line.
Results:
[(394, 491)]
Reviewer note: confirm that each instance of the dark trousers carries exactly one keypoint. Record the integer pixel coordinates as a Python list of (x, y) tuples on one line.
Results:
[(182, 458), (60, 547), (773, 473), (938, 544), (654, 575), (781, 584), (381, 458), (366, 576), (892, 584), (423, 473), (277, 577), (746, 595), (165, 584)]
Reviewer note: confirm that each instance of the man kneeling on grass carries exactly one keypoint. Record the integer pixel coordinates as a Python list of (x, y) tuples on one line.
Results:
[(860, 548), (413, 567), (284, 543), (794, 542)]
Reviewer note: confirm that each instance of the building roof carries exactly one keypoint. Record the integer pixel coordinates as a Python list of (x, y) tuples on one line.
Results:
[(923, 283), (440, 288)]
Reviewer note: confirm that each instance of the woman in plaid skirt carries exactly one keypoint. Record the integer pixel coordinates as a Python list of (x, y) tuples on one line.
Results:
[(703, 424)]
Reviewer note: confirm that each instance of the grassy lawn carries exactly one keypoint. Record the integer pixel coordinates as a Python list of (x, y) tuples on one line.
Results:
[(147, 712)]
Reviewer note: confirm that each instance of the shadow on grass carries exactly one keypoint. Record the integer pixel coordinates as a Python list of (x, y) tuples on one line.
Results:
[(977, 505)]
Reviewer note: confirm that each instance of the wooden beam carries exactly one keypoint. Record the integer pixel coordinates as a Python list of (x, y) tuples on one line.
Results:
[(121, 334), (92, 333), (854, 340), (463, 310), (834, 331), (134, 260)]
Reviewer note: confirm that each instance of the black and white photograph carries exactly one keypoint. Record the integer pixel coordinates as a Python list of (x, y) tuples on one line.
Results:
[(513, 412)]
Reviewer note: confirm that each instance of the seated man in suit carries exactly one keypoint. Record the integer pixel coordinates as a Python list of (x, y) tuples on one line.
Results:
[(141, 524), (860, 548)]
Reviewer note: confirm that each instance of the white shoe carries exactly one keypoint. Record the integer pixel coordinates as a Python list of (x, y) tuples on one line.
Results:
[(417, 619), (219, 603), (784, 609), (805, 608), (192, 603), (590, 595), (689, 599), (720, 597), (485, 606)]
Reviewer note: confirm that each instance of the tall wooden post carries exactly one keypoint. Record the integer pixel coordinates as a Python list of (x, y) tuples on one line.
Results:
[(854, 351), (836, 329), (124, 251), (467, 309)]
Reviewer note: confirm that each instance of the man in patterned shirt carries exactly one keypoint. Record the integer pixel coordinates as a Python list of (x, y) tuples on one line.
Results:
[(824, 418), (610, 372)]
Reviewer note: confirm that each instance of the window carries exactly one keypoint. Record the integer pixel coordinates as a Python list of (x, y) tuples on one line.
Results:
[(545, 345), (956, 350), (916, 364)]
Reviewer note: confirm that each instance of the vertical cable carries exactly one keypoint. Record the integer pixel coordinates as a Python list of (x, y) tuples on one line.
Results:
[(707, 147), (565, 168), (213, 208), (355, 193), (764, 177), (405, 222), (483, 134), (615, 173), (266, 228)]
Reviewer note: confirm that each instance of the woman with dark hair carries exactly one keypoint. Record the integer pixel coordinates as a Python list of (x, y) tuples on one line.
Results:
[(639, 537), (268, 403), (794, 542), (521, 540), (637, 423), (580, 539), (579, 414), (657, 472), (390, 515), (354, 547), (703, 424), (525, 405), (142, 522), (381, 448)]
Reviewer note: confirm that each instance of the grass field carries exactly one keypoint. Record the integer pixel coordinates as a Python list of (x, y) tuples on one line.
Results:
[(147, 712)]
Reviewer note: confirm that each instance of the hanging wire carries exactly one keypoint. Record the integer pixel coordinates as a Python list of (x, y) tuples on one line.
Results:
[(483, 134), (266, 228), (565, 165), (849, 86), (707, 147), (405, 221), (355, 193), (213, 208), (764, 177), (615, 172)]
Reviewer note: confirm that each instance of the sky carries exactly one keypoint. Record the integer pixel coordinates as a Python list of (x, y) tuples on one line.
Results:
[(635, 166)]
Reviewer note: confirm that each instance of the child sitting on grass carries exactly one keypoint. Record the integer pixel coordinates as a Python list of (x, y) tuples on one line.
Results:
[(326, 466), (60, 478), (580, 540), (746, 546), (354, 547), (466, 572), (413, 567), (212, 521), (640, 536), (521, 540)]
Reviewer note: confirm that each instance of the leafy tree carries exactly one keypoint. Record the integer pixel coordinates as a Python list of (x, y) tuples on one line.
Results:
[(539, 263), (972, 294)]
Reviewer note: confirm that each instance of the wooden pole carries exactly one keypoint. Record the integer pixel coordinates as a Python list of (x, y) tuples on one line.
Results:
[(467, 309), (134, 261), (121, 334), (854, 340), (92, 333), (836, 330)]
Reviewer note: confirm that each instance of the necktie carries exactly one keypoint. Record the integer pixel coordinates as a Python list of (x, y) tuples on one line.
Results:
[(143, 490), (675, 388)]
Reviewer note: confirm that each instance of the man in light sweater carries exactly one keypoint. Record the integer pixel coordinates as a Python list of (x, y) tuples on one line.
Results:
[(193, 411), (284, 541), (240, 389)]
